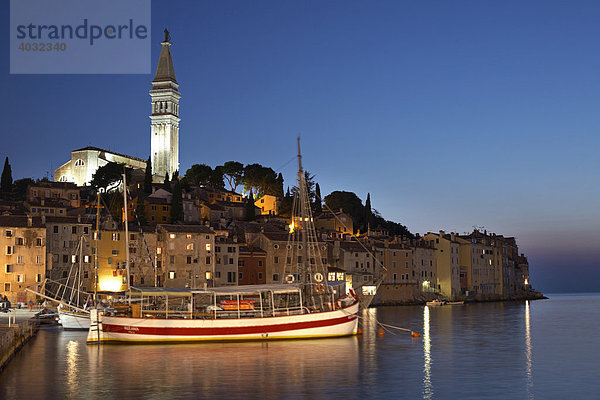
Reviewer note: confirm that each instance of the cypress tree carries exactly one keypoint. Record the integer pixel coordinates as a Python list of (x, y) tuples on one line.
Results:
[(148, 177), (167, 183), (250, 210), (368, 212), (140, 210), (176, 203), (318, 208), (6, 180)]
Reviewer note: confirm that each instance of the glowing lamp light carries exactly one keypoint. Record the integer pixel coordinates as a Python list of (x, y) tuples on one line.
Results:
[(110, 284), (526, 281), (292, 227)]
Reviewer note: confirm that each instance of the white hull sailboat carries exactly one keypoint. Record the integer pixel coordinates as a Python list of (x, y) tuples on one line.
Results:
[(73, 320)]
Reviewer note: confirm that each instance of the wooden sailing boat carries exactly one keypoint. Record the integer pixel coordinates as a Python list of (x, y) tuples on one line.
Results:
[(303, 307)]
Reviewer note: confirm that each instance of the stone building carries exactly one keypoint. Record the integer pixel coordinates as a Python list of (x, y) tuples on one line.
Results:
[(69, 242), (185, 255), (84, 163), (447, 259), (252, 266), (227, 252), (22, 256)]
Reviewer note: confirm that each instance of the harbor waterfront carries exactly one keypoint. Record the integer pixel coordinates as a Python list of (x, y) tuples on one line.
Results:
[(500, 350)]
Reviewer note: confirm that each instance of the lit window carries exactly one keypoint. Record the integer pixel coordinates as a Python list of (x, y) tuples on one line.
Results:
[(20, 278), (172, 236), (207, 247), (331, 276), (79, 163), (188, 236), (158, 250), (171, 274), (190, 246)]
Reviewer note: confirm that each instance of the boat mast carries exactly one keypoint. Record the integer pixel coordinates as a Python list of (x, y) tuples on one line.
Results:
[(97, 249), (126, 228), (303, 216)]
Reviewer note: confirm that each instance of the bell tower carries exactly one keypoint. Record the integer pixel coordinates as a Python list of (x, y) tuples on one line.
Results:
[(164, 131)]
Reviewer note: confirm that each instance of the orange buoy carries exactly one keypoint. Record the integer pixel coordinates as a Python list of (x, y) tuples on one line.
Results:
[(359, 331), (380, 332), (415, 334)]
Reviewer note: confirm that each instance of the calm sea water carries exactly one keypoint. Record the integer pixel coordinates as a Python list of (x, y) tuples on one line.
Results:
[(546, 349)]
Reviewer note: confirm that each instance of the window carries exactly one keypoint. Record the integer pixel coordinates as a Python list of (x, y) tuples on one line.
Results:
[(231, 261), (172, 236), (132, 236), (217, 249), (190, 246), (171, 259), (19, 259), (8, 233), (207, 246), (172, 274), (20, 278), (116, 236), (241, 276), (86, 230), (153, 208), (9, 269), (158, 250), (276, 260), (79, 163), (38, 259), (395, 277), (115, 252), (110, 260), (189, 259), (38, 277), (208, 260), (240, 263), (230, 276), (74, 229), (20, 241), (7, 287), (9, 250), (260, 275), (275, 277), (165, 208)]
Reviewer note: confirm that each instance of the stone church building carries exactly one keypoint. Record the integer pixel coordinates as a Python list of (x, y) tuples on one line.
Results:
[(164, 133)]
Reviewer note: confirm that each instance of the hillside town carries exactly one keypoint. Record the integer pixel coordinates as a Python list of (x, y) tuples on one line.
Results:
[(223, 226)]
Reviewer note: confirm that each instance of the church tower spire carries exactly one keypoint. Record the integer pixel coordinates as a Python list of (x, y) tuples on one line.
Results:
[(164, 131)]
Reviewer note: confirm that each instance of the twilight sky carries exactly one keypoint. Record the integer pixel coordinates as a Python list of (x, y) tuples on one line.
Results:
[(451, 114)]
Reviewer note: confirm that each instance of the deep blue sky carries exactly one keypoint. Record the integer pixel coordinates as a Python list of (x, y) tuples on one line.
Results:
[(451, 114)]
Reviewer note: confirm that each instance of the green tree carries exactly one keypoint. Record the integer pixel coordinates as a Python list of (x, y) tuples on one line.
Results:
[(318, 205), (349, 203), (261, 180), (148, 177), (167, 183), (369, 217), (109, 176), (250, 208), (216, 178), (285, 209), (198, 174), (20, 188), (233, 174), (6, 180), (176, 203), (140, 210)]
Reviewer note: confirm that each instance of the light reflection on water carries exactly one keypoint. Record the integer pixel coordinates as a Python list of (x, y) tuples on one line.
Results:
[(427, 386), (492, 351)]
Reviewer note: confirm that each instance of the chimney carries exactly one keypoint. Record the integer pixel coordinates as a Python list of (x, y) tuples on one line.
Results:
[(452, 236), (29, 220), (441, 233)]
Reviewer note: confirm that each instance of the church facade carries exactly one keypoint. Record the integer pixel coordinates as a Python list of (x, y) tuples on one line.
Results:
[(164, 133)]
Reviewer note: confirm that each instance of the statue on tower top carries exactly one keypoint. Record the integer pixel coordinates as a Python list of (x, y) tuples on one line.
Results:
[(167, 35)]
